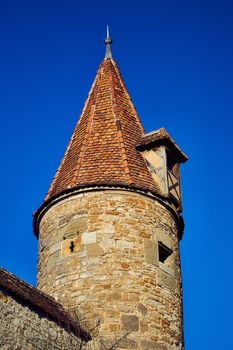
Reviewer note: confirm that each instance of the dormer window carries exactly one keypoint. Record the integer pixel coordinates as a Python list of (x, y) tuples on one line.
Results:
[(163, 157), (165, 172)]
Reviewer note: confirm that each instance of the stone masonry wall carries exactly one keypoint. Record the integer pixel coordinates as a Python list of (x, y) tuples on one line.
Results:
[(22, 328), (113, 256)]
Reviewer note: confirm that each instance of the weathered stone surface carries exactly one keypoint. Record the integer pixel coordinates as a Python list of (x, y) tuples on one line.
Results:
[(151, 252), (142, 309), (94, 249), (88, 237), (130, 322), (113, 296), (166, 280), (163, 236), (52, 260), (55, 247), (22, 328), (151, 345), (124, 244), (107, 227), (119, 273), (3, 297), (75, 227), (128, 343)]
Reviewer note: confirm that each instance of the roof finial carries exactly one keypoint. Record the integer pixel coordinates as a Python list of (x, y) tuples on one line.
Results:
[(108, 42)]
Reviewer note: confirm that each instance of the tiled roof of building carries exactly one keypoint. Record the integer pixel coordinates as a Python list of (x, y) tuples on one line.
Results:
[(102, 148), (40, 301), (161, 137)]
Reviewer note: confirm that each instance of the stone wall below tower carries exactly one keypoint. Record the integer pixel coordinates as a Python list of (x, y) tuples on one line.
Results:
[(113, 256), (22, 327)]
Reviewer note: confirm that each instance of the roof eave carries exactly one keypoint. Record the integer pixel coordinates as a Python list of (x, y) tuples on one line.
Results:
[(158, 138)]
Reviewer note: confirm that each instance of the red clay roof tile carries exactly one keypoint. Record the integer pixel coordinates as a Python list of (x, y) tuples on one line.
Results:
[(102, 146)]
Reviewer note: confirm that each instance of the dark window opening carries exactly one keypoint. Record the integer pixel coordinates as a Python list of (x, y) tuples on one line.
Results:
[(72, 246), (173, 166), (164, 252)]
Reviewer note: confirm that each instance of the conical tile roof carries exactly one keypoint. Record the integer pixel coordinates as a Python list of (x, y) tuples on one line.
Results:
[(102, 149)]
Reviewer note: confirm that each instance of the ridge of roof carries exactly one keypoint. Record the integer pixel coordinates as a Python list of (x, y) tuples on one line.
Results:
[(119, 131), (39, 300)]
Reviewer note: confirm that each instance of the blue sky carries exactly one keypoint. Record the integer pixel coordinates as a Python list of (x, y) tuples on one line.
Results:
[(176, 60)]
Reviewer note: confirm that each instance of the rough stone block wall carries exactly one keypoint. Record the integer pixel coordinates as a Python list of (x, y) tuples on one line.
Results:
[(22, 328), (100, 254)]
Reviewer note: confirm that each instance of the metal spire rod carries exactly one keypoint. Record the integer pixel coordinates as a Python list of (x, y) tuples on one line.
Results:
[(108, 42)]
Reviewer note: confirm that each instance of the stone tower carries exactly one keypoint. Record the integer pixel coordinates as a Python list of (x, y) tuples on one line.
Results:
[(110, 224)]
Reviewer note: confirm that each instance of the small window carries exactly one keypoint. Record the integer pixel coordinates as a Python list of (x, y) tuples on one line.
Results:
[(164, 253), (72, 246)]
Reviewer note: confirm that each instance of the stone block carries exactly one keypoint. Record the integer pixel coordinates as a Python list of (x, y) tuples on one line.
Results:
[(60, 234), (113, 327), (76, 227), (124, 265), (165, 280), (94, 249), (53, 248), (166, 269), (151, 252), (142, 309), (71, 246), (144, 327), (109, 243), (130, 322), (85, 274), (133, 297), (108, 228), (52, 260), (88, 237), (176, 272), (151, 345), (124, 244), (3, 297), (113, 296), (127, 343), (164, 237)]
